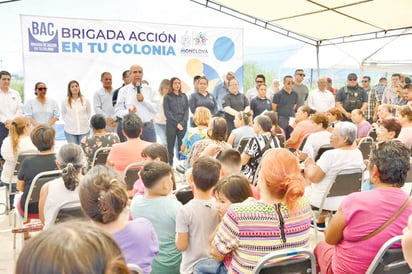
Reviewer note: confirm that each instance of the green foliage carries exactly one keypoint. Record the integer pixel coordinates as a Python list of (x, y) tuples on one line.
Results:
[(251, 69), (18, 84)]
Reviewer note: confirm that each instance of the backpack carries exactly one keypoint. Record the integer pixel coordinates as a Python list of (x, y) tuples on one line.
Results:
[(353, 100)]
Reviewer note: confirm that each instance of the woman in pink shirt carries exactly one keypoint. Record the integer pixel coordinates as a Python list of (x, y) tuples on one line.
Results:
[(302, 127), (348, 248)]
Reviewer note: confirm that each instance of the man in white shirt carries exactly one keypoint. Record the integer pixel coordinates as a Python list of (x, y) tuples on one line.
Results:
[(321, 99), (140, 99), (253, 92), (10, 105), (103, 102)]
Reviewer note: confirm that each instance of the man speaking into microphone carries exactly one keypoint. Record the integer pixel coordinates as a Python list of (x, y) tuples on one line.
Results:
[(140, 99)]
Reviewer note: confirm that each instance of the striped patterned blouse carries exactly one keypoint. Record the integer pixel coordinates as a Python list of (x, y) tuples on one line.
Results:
[(252, 229)]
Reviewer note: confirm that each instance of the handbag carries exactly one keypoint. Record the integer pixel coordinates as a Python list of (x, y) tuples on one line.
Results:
[(388, 222)]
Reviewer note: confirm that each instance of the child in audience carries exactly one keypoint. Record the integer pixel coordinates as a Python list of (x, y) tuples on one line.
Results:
[(197, 219), (153, 152), (161, 210), (231, 162), (104, 200), (232, 189)]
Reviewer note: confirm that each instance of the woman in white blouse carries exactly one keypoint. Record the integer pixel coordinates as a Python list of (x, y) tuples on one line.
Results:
[(17, 142), (76, 113)]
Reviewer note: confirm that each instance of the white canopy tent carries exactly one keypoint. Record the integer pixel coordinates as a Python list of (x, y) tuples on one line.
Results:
[(350, 33)]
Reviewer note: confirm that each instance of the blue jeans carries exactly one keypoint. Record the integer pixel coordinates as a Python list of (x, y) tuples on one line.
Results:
[(161, 133), (148, 132), (209, 266), (75, 138)]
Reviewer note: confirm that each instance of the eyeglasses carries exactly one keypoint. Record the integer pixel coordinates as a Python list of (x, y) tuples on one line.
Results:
[(42, 89), (259, 81), (301, 74), (352, 79)]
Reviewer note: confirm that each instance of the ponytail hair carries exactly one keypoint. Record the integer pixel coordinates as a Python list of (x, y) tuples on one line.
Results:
[(103, 194), (280, 172), (17, 128), (71, 159)]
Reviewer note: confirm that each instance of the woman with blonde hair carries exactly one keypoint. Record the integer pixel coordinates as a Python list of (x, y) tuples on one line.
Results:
[(17, 142), (280, 220), (76, 112), (201, 119), (160, 118), (104, 200)]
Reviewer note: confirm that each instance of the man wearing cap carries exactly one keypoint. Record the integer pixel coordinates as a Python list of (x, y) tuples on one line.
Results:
[(329, 86), (351, 97)]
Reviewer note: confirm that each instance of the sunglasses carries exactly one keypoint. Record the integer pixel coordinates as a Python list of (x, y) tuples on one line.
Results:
[(301, 74), (352, 79), (42, 89), (259, 81)]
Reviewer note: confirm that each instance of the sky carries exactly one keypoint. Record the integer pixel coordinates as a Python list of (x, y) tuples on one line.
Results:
[(183, 12)]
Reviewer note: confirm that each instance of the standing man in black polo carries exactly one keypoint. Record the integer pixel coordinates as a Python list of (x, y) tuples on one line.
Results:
[(233, 103), (284, 103)]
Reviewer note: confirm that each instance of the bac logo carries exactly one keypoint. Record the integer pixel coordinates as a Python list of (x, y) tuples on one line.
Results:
[(43, 37)]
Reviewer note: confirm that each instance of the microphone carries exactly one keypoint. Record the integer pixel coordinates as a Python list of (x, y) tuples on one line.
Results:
[(138, 87)]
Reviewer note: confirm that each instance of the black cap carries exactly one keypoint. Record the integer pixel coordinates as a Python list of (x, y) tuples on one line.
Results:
[(352, 76)]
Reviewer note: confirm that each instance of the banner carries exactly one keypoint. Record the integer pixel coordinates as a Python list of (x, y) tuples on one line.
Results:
[(58, 50)]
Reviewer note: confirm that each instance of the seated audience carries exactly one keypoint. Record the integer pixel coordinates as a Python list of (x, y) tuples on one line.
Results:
[(276, 129), (322, 173), (103, 198), (256, 147), (17, 142), (334, 116), (153, 152), (123, 154), (388, 129), (384, 111), (201, 119), (229, 190), (407, 242), (301, 128), (231, 162), (358, 118), (405, 118), (71, 247), (242, 129), (100, 138), (319, 137), (161, 210), (217, 133), (197, 219), (360, 226), (280, 220), (43, 138), (65, 189)]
